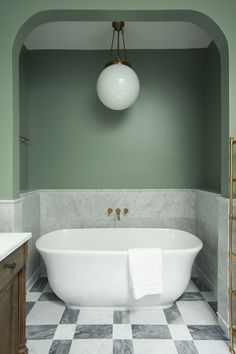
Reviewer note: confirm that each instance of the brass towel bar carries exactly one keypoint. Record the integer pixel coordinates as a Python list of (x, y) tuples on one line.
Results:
[(232, 255), (24, 140)]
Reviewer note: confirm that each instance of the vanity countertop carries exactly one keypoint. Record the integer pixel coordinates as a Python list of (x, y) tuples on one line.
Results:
[(10, 241)]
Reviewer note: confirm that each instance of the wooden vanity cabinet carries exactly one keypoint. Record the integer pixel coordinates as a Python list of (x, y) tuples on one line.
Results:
[(12, 302)]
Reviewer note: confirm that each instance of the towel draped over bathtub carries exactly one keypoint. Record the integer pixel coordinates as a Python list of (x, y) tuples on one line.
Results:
[(145, 271)]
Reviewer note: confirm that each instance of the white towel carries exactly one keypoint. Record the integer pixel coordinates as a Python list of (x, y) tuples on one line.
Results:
[(145, 269)]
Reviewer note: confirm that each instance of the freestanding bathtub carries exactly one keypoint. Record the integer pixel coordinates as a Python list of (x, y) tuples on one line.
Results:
[(89, 267)]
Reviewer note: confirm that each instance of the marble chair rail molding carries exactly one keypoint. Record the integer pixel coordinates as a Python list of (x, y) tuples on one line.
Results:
[(196, 211)]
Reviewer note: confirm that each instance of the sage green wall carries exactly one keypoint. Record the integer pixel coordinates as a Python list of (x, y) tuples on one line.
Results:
[(23, 95), (213, 120), (76, 142), (19, 18)]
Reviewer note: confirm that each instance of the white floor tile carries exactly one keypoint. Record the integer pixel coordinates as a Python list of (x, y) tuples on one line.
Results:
[(65, 331), (211, 347), (191, 287), (95, 317), (154, 346), (209, 295), (45, 312), (38, 346), (92, 346), (122, 331), (148, 317), (197, 313), (32, 296), (180, 332)]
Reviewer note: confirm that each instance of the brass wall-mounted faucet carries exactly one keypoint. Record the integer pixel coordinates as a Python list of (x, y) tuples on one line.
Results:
[(109, 211), (118, 210), (126, 210)]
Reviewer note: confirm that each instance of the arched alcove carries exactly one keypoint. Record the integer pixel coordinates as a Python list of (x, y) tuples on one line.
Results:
[(191, 16)]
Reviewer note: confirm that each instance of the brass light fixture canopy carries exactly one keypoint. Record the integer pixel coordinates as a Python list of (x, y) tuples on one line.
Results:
[(118, 27)]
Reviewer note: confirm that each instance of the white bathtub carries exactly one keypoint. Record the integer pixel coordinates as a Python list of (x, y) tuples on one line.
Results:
[(89, 267)]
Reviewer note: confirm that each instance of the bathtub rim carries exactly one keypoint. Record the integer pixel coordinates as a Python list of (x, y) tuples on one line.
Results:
[(46, 250)]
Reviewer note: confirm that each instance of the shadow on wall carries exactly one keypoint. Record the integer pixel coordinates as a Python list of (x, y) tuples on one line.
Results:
[(106, 116)]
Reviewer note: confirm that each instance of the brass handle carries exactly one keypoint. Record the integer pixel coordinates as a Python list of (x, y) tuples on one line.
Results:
[(109, 211), (126, 210), (12, 265)]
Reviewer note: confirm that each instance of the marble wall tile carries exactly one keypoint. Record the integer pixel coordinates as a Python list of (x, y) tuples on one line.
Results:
[(147, 203), (223, 227), (31, 223), (18, 216), (78, 203), (6, 217), (88, 208), (206, 218)]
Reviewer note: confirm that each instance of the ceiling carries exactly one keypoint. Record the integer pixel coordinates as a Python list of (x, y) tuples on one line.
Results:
[(97, 36)]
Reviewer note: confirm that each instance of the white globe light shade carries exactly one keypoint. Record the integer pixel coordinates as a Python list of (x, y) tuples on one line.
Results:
[(118, 86)]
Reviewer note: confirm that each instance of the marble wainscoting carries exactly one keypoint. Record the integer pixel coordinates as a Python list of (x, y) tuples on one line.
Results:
[(88, 208), (7, 216), (31, 223), (23, 215), (223, 227), (206, 217)]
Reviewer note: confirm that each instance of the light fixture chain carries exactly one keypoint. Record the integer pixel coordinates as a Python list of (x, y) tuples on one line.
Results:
[(118, 44), (112, 43), (123, 38)]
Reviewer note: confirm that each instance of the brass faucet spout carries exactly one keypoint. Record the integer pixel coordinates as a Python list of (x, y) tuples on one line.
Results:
[(118, 210)]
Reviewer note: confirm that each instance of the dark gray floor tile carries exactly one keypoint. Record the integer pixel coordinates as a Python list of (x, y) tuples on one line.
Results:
[(200, 285), (186, 347), (122, 346), (69, 316), (213, 305), (40, 332), (40, 284), (93, 331), (207, 332), (28, 307), (60, 347), (121, 317), (173, 315), (49, 297), (151, 332), (191, 296)]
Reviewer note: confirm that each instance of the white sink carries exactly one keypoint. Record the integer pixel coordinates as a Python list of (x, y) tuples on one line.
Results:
[(10, 241)]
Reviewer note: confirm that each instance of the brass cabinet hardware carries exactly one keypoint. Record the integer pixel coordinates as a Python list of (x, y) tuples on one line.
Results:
[(12, 265)]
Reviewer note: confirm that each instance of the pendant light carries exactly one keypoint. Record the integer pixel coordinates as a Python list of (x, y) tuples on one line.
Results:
[(118, 85)]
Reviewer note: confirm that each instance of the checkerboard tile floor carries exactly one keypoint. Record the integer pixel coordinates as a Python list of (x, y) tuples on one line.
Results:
[(189, 327)]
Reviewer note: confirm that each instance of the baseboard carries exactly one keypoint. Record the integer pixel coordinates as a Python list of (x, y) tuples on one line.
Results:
[(223, 325), (209, 284), (33, 278)]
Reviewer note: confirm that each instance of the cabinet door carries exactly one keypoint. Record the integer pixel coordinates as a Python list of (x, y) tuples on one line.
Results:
[(9, 318)]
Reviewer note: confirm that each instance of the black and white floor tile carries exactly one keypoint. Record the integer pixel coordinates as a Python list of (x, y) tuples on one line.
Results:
[(188, 327)]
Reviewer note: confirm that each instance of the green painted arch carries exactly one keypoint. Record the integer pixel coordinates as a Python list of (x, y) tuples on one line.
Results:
[(196, 17)]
